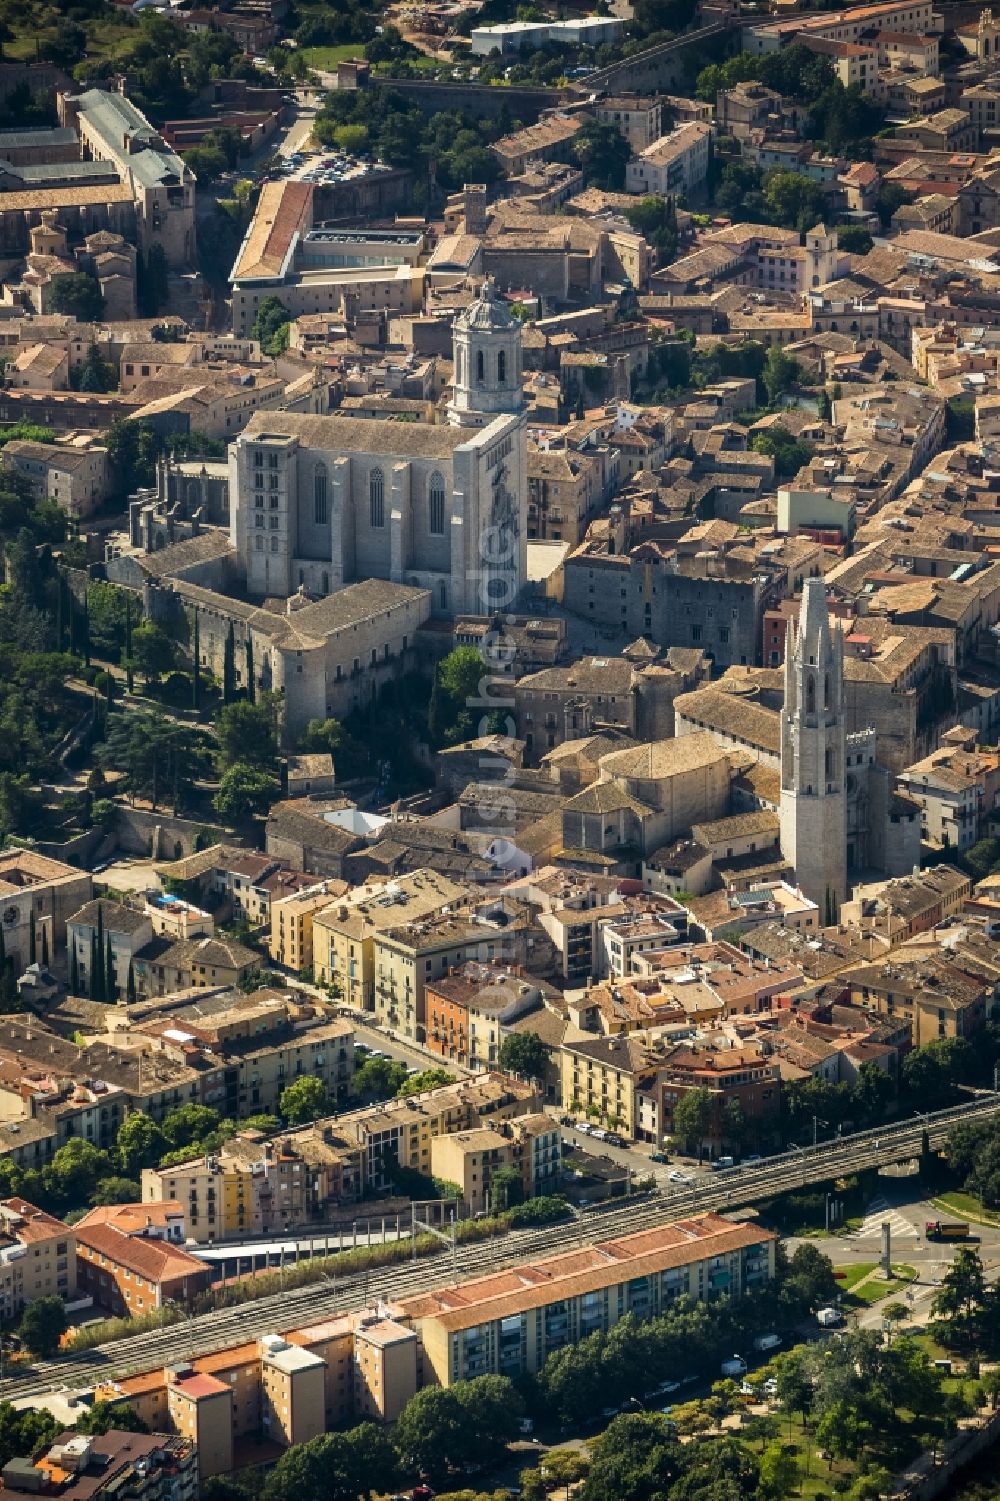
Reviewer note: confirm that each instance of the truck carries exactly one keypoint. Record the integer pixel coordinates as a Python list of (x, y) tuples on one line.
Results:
[(828, 1318), (735, 1367), (767, 1342), (947, 1230)]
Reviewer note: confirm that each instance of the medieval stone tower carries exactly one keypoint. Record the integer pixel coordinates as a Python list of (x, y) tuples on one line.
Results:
[(813, 795), (486, 341)]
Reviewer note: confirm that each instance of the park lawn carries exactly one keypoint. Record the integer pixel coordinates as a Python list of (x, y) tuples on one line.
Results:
[(325, 59), (894, 1451), (849, 1276), (965, 1205), (104, 37), (421, 62), (877, 1289)]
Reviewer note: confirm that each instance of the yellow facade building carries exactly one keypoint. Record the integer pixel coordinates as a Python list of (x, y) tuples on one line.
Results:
[(509, 1322), (291, 938), (344, 932)]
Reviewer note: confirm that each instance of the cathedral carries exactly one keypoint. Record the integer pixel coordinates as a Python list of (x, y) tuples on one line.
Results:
[(840, 811), (319, 502)]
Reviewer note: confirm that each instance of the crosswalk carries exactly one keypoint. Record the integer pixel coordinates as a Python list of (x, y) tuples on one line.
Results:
[(879, 1211)]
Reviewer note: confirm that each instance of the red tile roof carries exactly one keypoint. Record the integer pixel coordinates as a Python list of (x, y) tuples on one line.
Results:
[(153, 1259)]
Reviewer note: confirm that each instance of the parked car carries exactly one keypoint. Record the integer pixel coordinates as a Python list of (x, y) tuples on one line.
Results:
[(614, 1140), (678, 1177), (658, 1157)]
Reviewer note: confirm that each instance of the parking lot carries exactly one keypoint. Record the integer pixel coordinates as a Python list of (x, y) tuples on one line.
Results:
[(326, 167)]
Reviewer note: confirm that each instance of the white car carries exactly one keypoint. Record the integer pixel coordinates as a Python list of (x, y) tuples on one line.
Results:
[(676, 1177)]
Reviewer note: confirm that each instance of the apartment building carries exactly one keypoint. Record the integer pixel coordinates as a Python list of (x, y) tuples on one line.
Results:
[(130, 1274), (199, 1407), (956, 787), (37, 1257), (344, 933), (293, 1403), (403, 1130), (938, 999), (509, 1322), (252, 1187), (530, 1144), (676, 163), (599, 1075), (736, 1074), (634, 116), (287, 1388), (74, 474), (291, 916), (193, 963), (405, 958), (108, 1467), (468, 1009), (125, 930)]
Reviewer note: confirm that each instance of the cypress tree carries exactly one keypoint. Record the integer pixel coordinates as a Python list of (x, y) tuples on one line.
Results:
[(196, 674), (96, 972), (129, 681), (251, 686), (434, 711), (97, 988), (229, 667), (130, 984), (45, 947), (85, 631), (32, 939)]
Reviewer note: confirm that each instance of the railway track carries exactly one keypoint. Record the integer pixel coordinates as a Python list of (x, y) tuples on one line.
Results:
[(732, 1189)]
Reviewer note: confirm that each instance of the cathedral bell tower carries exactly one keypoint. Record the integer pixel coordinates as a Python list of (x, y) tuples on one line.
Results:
[(813, 791), (486, 342)]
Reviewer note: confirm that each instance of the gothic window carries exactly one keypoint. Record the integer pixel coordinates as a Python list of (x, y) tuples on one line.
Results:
[(435, 505), (376, 498), (501, 367), (319, 494), (193, 493), (480, 367), (831, 766), (443, 595), (826, 690), (326, 583), (810, 694)]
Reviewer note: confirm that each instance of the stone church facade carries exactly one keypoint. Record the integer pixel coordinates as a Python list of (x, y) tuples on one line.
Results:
[(320, 502)]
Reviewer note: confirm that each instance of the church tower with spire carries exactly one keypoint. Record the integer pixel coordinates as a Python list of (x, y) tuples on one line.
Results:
[(813, 774)]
